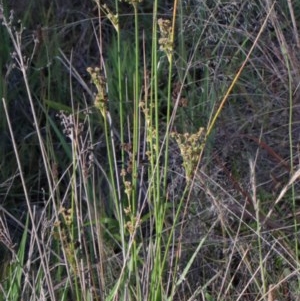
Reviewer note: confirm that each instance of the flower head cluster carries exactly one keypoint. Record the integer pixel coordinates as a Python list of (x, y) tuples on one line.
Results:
[(166, 40), (101, 96), (191, 146)]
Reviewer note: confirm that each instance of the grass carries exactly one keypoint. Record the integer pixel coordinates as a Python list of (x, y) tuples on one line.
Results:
[(149, 151)]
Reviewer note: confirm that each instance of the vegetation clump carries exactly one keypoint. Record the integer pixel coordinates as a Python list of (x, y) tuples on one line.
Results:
[(149, 150)]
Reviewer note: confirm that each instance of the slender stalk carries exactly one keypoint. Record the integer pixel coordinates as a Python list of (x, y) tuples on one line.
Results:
[(291, 143), (136, 110), (42, 253), (237, 75)]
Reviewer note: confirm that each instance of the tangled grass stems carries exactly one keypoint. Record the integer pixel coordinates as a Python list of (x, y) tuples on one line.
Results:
[(133, 207)]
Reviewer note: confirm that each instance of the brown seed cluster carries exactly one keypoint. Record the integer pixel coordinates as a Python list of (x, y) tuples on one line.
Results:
[(165, 41), (191, 146)]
